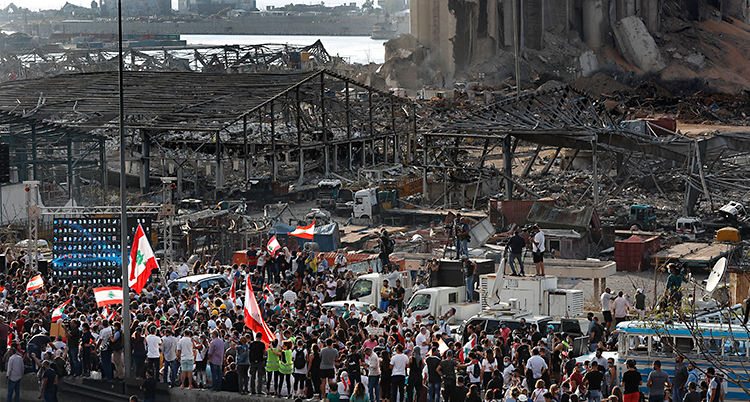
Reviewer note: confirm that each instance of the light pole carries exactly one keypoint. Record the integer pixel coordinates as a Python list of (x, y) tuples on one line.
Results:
[(123, 208)]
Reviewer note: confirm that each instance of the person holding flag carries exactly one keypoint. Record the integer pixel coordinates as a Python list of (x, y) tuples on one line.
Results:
[(142, 261)]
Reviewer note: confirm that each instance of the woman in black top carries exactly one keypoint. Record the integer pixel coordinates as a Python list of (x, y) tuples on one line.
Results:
[(86, 341), (414, 383), (313, 368), (385, 373)]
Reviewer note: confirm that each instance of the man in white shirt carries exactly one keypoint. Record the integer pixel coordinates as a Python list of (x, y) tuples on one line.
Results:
[(340, 262), (537, 365), (375, 315), (410, 320), (290, 296), (182, 269), (538, 250), (620, 307), (153, 343), (398, 374), (423, 341), (606, 299), (331, 287), (507, 370), (186, 355)]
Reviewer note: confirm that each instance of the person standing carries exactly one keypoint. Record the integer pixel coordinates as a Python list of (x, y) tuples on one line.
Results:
[(397, 298), (606, 300), (373, 376), (640, 303), (593, 380), (257, 357), (469, 268), (386, 248), (14, 373), (631, 382), (433, 268), (74, 337), (48, 390), (538, 249), (153, 343), (447, 370), (186, 354), (717, 388), (537, 365), (385, 295), (415, 382), (182, 269), (462, 235), (432, 377), (215, 360), (328, 358), (243, 362), (516, 243), (398, 364), (620, 306), (693, 395), (105, 353), (679, 388), (657, 381), (169, 351)]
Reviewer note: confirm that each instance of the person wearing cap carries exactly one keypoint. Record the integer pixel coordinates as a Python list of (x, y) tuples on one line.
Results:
[(538, 249), (640, 303)]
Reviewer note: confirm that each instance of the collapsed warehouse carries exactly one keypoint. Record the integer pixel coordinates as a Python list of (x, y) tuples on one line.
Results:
[(265, 138)]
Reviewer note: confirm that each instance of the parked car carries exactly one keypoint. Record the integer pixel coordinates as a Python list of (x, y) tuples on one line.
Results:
[(204, 281)]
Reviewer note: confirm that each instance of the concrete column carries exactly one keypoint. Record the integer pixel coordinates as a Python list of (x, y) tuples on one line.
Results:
[(593, 17)]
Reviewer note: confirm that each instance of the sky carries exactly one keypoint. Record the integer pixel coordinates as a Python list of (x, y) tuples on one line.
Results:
[(56, 4)]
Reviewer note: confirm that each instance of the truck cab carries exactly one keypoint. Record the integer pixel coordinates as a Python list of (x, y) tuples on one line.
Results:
[(642, 216), (366, 203), (690, 228), (366, 288), (328, 193), (436, 301)]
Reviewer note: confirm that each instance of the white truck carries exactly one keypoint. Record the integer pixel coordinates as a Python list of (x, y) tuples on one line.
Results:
[(366, 288), (436, 301), (536, 295), (366, 204)]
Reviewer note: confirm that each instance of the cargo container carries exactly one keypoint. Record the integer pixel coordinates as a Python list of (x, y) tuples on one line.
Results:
[(634, 253)]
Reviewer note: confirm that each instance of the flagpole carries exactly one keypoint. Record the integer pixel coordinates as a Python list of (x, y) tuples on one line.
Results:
[(123, 210)]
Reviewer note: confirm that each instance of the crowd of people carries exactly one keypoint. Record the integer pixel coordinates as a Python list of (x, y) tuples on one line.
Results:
[(197, 338)]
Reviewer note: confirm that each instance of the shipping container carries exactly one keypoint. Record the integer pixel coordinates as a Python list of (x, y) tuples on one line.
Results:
[(634, 253)]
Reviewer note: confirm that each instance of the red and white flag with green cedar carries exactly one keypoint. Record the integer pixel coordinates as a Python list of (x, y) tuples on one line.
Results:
[(108, 295), (273, 246), (35, 283), (142, 261), (57, 313)]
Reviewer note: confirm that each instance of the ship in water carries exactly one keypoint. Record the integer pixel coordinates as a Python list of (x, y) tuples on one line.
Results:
[(384, 30)]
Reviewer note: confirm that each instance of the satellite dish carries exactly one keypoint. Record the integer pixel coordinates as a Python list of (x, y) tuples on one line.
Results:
[(714, 278)]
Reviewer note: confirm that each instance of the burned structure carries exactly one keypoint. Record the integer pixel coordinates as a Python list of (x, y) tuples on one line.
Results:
[(570, 37)]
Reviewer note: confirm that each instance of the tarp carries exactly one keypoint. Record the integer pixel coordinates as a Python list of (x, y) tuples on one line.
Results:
[(327, 236)]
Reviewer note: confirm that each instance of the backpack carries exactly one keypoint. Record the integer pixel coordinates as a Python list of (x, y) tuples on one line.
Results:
[(299, 360), (477, 371)]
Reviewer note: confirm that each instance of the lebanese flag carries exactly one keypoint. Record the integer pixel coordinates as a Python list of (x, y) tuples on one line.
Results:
[(304, 232), (57, 313), (35, 283), (197, 301), (253, 317), (108, 295), (273, 246), (268, 288), (233, 291), (442, 347), (142, 261)]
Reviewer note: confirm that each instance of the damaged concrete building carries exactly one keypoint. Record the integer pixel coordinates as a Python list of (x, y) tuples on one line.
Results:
[(462, 34)]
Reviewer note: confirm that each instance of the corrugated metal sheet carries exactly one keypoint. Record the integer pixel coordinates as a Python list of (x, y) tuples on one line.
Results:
[(516, 211), (547, 216), (327, 236)]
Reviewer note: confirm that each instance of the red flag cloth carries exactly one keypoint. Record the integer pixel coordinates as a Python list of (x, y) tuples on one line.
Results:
[(233, 291), (304, 232), (142, 261), (35, 283), (57, 313), (253, 318)]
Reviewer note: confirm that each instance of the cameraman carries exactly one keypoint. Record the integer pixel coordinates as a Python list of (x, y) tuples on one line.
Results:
[(73, 333)]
